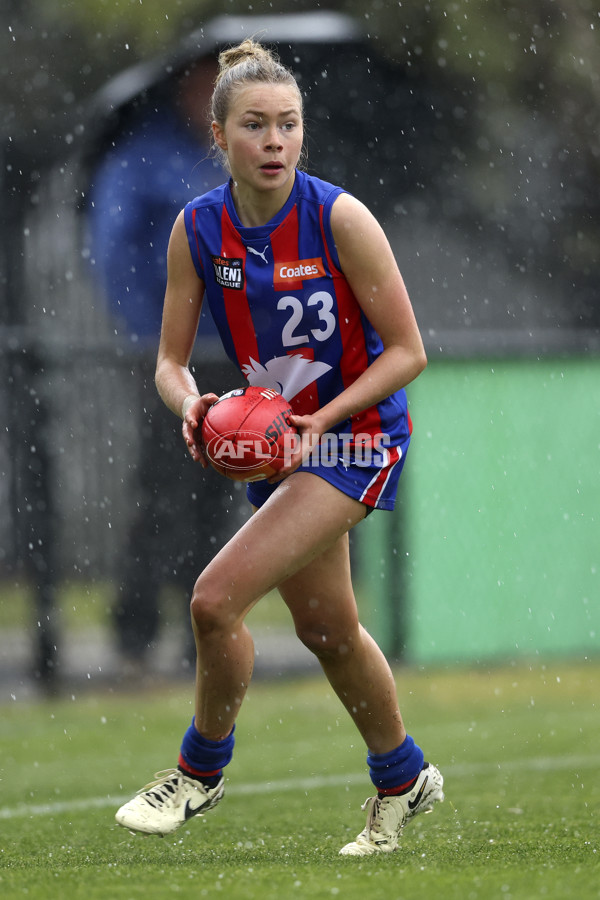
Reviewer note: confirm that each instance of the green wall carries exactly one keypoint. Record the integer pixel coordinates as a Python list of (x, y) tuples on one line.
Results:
[(499, 547)]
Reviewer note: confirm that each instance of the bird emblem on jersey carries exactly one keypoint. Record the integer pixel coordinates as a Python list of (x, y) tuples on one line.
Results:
[(286, 374), (258, 253)]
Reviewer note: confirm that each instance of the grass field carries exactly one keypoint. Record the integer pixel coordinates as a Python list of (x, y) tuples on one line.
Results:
[(518, 747)]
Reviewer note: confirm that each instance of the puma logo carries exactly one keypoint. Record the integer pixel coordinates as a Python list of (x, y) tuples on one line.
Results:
[(258, 253)]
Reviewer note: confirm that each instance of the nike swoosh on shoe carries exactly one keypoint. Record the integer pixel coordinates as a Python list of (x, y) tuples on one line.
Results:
[(191, 811), (412, 804)]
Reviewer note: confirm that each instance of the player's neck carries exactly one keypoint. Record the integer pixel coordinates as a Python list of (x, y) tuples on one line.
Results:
[(256, 208)]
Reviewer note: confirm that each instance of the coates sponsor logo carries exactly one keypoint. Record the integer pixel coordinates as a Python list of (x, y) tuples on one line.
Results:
[(229, 272), (298, 270)]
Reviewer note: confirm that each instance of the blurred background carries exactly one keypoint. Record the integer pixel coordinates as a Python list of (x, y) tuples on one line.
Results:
[(472, 130)]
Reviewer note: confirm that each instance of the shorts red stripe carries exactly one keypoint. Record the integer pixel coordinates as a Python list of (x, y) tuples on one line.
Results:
[(376, 486)]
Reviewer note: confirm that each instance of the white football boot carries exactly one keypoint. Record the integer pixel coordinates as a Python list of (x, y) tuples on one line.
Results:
[(162, 806), (387, 816)]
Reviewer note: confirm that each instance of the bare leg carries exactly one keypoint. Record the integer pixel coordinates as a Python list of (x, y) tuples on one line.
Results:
[(322, 603), (304, 518)]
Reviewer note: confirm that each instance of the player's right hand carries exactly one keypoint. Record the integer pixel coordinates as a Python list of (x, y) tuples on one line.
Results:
[(192, 426)]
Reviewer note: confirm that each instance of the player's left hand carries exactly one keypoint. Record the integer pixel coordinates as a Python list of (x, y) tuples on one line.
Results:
[(309, 430)]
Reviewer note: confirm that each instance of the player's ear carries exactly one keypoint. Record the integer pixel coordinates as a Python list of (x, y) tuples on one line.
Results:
[(219, 136)]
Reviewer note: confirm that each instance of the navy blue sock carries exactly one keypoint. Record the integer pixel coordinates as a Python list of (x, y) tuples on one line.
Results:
[(394, 772), (203, 759)]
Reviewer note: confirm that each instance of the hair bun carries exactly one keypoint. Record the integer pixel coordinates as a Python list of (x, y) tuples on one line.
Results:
[(247, 50)]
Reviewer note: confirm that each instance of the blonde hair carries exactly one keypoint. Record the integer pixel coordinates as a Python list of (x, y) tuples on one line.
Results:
[(248, 62)]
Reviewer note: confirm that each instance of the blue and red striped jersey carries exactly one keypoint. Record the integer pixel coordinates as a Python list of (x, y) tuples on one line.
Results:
[(283, 308)]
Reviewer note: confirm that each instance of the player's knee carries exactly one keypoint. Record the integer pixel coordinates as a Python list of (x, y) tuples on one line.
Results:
[(323, 641), (206, 609)]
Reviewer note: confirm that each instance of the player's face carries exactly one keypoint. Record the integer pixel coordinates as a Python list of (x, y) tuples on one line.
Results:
[(263, 135)]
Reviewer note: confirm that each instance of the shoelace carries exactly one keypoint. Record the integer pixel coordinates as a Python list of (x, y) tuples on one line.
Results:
[(377, 813), (372, 805), (164, 789)]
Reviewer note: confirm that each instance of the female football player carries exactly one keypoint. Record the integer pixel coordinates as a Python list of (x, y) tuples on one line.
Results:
[(293, 268)]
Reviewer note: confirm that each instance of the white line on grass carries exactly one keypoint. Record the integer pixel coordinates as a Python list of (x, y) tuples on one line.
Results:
[(457, 770)]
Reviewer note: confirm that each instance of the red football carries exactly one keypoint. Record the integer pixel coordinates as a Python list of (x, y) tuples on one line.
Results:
[(246, 433)]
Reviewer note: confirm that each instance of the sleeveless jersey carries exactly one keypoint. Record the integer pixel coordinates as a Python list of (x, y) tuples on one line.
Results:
[(283, 308)]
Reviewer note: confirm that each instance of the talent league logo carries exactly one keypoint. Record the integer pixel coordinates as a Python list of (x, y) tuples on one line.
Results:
[(229, 272)]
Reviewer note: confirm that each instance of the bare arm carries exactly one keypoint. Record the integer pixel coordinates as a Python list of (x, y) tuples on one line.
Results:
[(181, 314), (368, 263)]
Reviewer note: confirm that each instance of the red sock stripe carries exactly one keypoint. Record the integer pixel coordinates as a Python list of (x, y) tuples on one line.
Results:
[(401, 789), (196, 773)]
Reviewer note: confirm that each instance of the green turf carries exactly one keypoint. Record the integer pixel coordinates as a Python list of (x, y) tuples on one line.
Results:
[(518, 747)]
